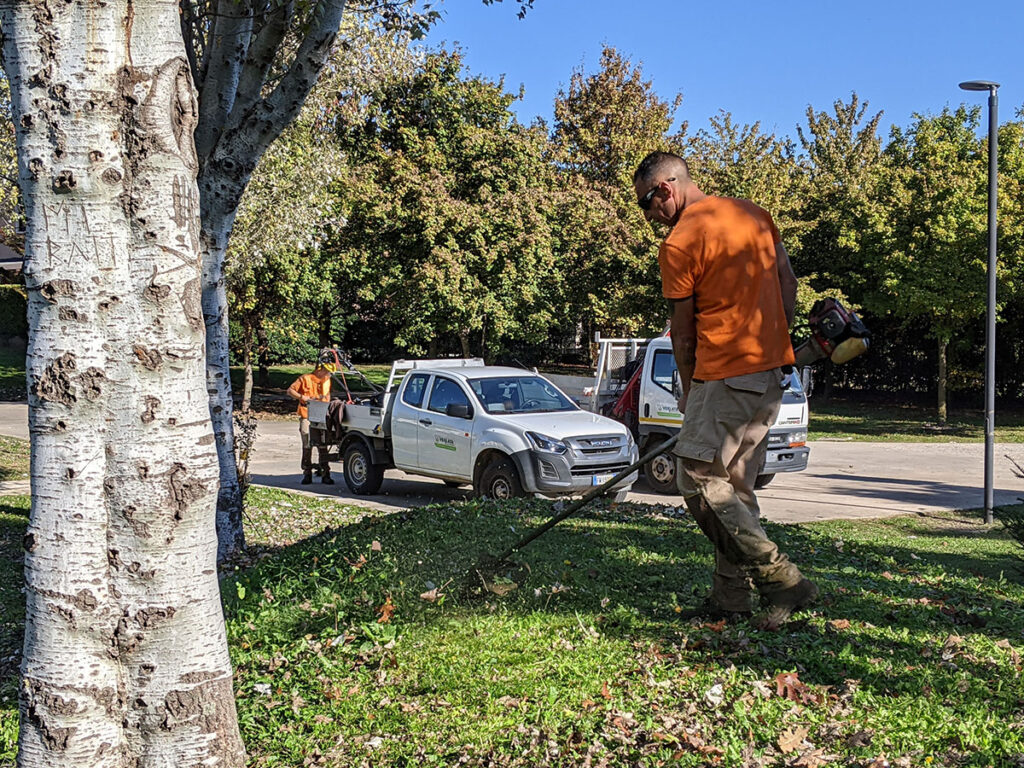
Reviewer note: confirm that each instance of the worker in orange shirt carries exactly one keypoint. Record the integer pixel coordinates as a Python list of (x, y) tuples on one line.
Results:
[(732, 291), (313, 386)]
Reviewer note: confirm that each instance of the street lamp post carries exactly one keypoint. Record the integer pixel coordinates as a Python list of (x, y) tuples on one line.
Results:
[(990, 318)]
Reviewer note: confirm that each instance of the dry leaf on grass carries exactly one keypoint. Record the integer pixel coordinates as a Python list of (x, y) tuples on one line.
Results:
[(375, 546), (386, 611), (791, 739), (839, 624)]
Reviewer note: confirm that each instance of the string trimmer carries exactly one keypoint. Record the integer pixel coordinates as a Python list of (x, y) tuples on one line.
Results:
[(488, 566)]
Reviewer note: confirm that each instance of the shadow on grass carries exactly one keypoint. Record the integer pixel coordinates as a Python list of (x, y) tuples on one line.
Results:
[(626, 569)]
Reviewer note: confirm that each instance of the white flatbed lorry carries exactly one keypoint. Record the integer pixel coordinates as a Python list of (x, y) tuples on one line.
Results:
[(506, 431)]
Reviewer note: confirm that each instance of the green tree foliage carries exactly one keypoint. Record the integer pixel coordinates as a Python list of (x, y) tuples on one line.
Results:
[(926, 258), (605, 123), (10, 200), (742, 161), (840, 161), (447, 212)]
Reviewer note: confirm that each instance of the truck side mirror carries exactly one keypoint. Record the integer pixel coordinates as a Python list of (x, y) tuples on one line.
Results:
[(459, 410), (677, 390)]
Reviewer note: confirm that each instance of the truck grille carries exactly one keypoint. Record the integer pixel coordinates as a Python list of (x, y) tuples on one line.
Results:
[(598, 469), (595, 446)]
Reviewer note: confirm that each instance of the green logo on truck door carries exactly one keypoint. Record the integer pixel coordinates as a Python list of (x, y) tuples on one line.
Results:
[(445, 443)]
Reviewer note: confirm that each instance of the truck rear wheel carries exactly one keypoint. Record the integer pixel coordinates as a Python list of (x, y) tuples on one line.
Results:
[(500, 480), (661, 473), (362, 476)]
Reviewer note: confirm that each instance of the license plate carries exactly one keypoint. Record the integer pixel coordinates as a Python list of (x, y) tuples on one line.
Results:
[(601, 479)]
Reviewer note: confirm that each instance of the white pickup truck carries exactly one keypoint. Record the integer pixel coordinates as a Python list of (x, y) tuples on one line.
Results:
[(507, 431), (634, 384)]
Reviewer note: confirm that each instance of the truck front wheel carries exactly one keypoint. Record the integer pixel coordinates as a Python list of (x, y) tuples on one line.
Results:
[(661, 473), (763, 480), (362, 476), (500, 480)]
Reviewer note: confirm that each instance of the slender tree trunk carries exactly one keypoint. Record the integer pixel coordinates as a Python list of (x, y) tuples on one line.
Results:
[(125, 659), (263, 352), (943, 350), (247, 360), (216, 227), (464, 342)]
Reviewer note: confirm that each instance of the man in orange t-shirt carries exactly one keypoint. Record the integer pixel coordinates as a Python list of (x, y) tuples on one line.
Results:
[(313, 386), (732, 290)]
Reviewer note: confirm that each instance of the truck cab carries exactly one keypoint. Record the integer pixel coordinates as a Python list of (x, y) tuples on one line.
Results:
[(644, 401), (507, 431)]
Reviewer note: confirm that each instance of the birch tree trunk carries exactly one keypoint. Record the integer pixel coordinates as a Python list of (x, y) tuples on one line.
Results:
[(125, 660), (232, 48)]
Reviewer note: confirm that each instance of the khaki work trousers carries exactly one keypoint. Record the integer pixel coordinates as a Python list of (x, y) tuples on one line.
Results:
[(307, 452), (723, 443)]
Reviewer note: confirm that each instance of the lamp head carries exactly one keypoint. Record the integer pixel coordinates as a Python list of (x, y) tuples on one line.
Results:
[(979, 85)]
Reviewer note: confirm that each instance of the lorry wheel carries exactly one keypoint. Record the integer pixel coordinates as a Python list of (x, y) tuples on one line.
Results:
[(500, 480), (362, 476), (763, 480), (661, 473)]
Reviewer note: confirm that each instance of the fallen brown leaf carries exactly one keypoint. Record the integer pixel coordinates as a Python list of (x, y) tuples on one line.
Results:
[(605, 693), (813, 759), (792, 739), (375, 546), (386, 611), (431, 596), (839, 624)]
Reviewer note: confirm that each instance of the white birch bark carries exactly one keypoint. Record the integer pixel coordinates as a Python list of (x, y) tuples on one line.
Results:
[(125, 660), (238, 120)]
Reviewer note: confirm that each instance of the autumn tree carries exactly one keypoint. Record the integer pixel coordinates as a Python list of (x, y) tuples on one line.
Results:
[(125, 659), (925, 258), (841, 156), (605, 123), (254, 64), (447, 229)]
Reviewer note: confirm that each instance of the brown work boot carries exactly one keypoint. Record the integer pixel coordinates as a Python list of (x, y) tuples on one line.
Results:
[(710, 610), (784, 603)]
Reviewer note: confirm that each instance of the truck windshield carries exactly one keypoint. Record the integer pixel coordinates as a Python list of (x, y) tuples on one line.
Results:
[(520, 394)]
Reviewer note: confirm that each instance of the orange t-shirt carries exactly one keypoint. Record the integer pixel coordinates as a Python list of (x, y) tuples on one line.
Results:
[(722, 253), (311, 388)]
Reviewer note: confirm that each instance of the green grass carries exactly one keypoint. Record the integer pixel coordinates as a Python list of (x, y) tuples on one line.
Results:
[(14, 459), (849, 420), (346, 655), (12, 374)]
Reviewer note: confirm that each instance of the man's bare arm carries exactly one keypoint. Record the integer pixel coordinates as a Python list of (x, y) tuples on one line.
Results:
[(684, 343), (787, 279)]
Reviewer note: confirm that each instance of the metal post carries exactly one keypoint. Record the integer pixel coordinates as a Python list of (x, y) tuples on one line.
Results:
[(990, 325), (990, 314)]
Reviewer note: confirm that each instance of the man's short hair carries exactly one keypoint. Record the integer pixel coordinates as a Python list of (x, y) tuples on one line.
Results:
[(661, 164)]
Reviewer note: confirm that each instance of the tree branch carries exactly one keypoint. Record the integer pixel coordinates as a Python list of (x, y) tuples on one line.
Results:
[(252, 131), (261, 56), (227, 42)]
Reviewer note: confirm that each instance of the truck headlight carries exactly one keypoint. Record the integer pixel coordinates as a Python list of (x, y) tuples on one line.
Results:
[(547, 444), (796, 439)]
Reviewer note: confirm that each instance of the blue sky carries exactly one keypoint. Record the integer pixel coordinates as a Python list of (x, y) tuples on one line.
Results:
[(759, 61)]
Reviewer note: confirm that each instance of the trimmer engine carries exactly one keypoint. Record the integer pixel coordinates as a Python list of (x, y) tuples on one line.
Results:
[(836, 333)]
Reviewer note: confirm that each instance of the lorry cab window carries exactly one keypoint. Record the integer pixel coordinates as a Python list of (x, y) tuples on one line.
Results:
[(663, 368), (444, 393), (414, 389)]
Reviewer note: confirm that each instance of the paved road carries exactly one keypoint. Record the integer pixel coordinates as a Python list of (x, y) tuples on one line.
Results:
[(843, 479)]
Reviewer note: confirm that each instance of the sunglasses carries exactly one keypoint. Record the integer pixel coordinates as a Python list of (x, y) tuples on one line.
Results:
[(645, 201)]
